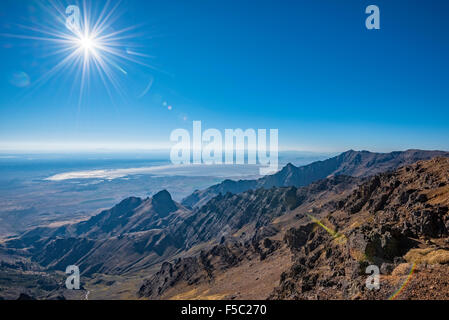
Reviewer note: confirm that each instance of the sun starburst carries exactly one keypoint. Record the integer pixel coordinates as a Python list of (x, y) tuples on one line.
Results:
[(95, 46)]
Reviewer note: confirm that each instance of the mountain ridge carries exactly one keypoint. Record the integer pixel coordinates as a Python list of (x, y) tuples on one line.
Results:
[(351, 163)]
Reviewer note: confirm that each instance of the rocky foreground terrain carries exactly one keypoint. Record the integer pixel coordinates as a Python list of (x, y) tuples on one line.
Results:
[(398, 221), (278, 242)]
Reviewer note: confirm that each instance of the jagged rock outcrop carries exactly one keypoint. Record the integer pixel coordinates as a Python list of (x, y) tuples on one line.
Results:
[(163, 204)]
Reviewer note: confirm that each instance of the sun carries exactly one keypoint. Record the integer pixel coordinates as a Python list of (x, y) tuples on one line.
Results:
[(91, 45), (87, 43)]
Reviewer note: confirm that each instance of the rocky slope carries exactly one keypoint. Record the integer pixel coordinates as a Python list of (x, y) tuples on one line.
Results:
[(395, 221), (248, 216), (351, 163), (240, 229)]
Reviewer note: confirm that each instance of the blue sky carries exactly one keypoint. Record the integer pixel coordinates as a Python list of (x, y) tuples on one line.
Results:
[(308, 68)]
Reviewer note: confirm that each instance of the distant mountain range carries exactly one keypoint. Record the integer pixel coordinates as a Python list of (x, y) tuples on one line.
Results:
[(351, 163), (222, 227)]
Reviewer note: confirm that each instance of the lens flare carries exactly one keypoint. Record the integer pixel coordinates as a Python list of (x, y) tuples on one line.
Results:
[(404, 284)]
